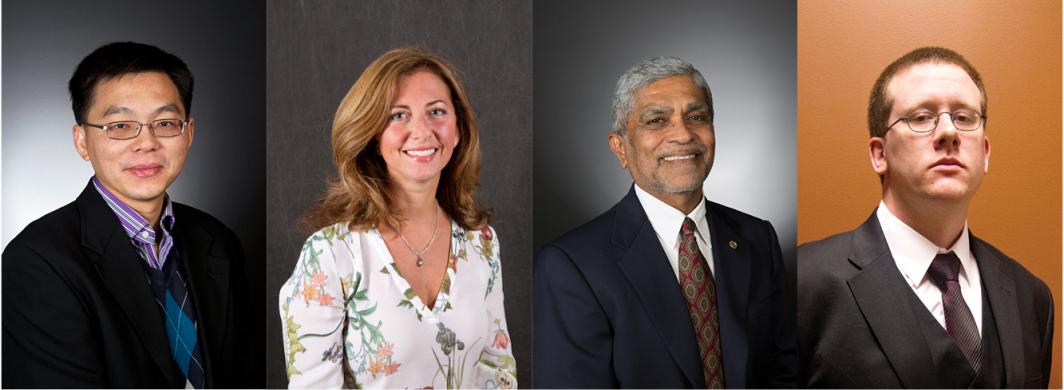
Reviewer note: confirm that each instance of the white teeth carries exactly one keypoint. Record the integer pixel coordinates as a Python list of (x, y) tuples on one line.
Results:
[(421, 153), (674, 158)]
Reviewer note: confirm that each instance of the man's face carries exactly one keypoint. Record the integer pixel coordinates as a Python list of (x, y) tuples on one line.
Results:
[(944, 164), (669, 143), (139, 170)]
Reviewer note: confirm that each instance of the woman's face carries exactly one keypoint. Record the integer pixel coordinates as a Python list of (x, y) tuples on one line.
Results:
[(421, 133)]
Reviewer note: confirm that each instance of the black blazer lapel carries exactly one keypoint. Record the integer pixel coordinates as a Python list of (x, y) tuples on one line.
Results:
[(732, 273), (999, 289), (208, 280), (121, 270), (882, 296), (645, 265)]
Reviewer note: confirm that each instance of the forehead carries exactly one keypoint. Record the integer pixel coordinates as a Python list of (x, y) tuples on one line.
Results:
[(422, 84), (144, 90), (928, 83), (669, 90)]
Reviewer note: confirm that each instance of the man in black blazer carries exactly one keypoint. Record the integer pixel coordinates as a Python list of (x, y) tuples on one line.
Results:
[(617, 301), (911, 298), (123, 287)]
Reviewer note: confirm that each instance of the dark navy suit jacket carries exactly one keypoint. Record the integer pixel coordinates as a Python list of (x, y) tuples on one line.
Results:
[(608, 312)]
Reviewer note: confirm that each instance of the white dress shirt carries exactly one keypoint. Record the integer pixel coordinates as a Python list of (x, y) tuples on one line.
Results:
[(913, 254), (667, 221)]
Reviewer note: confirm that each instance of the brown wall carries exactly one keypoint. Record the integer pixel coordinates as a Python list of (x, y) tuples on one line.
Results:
[(1016, 46)]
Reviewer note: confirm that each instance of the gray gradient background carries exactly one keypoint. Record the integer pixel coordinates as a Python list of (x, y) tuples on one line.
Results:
[(223, 45), (318, 49), (745, 50)]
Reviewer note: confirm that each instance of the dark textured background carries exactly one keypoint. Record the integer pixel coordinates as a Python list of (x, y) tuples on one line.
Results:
[(223, 44), (318, 49), (745, 50)]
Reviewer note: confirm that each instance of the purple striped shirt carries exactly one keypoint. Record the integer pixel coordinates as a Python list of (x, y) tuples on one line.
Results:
[(140, 232)]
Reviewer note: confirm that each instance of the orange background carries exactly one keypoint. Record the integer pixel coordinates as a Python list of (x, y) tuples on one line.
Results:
[(1016, 46)]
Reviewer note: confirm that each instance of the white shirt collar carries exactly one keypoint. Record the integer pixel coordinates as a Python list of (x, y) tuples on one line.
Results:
[(667, 220), (913, 252)]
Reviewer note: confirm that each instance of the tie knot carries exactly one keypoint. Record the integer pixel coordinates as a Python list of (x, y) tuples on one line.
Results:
[(688, 228), (944, 268)]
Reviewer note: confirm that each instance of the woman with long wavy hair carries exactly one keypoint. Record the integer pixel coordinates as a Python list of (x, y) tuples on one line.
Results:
[(401, 285)]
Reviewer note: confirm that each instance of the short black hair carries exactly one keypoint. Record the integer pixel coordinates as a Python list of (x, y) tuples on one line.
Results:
[(121, 58)]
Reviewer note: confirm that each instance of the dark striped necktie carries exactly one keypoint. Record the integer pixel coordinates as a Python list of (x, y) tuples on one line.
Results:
[(960, 324), (700, 291)]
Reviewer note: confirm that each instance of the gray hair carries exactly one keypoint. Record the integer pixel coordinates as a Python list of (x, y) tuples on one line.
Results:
[(645, 73)]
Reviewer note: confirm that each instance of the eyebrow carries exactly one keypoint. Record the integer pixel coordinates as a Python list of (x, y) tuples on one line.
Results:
[(112, 110), (655, 110), (426, 104), (695, 106)]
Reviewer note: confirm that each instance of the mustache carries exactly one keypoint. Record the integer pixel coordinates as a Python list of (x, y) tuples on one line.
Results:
[(683, 150)]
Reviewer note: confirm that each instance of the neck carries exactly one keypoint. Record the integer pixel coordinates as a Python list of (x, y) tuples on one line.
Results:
[(415, 204), (940, 222), (683, 201)]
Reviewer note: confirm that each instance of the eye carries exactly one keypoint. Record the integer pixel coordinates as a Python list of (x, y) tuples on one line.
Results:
[(697, 117), (164, 123), (118, 126), (437, 112), (964, 117), (654, 121), (398, 116), (921, 117)]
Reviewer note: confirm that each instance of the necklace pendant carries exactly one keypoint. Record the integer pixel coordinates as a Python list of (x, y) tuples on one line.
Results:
[(420, 262)]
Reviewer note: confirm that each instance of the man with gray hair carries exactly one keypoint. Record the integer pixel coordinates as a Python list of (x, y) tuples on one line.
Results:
[(666, 289)]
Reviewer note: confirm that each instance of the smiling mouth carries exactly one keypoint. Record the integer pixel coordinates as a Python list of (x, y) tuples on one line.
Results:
[(421, 152), (145, 170), (678, 157)]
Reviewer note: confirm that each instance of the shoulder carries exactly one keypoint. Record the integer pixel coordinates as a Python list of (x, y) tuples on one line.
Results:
[(1024, 278), (55, 236), (592, 234), (824, 263), (60, 225), (185, 214), (745, 224), (588, 245)]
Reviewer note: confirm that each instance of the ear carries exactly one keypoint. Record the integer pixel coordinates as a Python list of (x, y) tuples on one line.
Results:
[(986, 154), (80, 142), (191, 130), (617, 145), (878, 155)]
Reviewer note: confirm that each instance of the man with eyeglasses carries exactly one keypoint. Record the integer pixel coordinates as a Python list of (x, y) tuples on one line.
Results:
[(124, 287), (911, 298)]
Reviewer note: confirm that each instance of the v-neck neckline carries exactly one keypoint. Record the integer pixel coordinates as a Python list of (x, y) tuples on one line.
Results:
[(443, 297)]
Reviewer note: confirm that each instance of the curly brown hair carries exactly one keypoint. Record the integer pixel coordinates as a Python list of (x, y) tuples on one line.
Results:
[(359, 195)]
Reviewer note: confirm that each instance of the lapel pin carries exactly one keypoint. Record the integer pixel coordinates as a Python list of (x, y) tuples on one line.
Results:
[(732, 244)]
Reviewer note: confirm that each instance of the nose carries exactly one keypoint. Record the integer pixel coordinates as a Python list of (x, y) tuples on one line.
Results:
[(681, 132), (946, 135), (420, 127), (146, 140)]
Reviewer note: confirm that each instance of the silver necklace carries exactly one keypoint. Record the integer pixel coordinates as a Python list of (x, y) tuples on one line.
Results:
[(420, 254)]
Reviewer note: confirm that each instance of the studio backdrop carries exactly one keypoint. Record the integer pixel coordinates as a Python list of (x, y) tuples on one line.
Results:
[(1016, 49), (316, 52), (746, 51), (223, 44)]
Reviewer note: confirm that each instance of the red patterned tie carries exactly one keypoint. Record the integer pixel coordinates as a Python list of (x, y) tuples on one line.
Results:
[(700, 292), (960, 324)]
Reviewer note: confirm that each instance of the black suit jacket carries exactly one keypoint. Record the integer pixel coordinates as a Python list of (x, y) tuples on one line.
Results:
[(856, 328), (78, 310), (608, 312)]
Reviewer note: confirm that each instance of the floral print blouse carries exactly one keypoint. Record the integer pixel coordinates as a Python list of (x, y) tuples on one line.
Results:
[(351, 320)]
